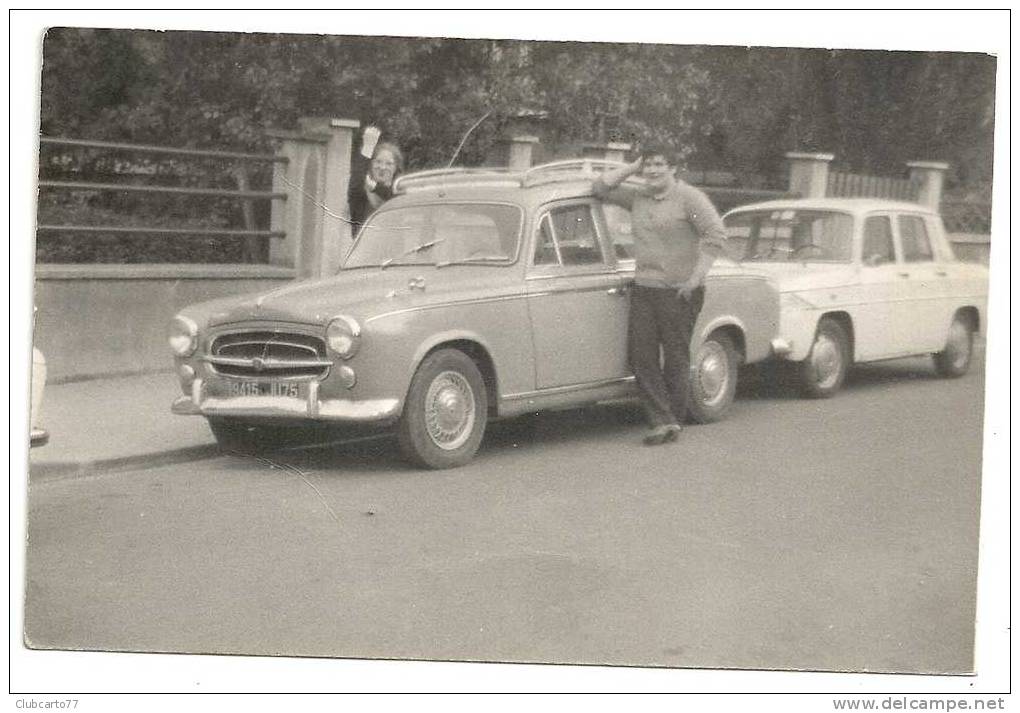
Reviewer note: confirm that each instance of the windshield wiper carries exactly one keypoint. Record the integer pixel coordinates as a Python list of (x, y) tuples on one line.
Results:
[(416, 249), (475, 260)]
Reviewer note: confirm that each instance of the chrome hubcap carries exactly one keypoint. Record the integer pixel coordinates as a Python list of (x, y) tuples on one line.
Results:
[(959, 344), (713, 373), (449, 410), (826, 361)]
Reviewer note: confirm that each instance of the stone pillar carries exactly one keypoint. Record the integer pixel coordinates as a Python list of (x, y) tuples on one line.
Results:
[(617, 151), (315, 215), (929, 175), (300, 215), (336, 238), (809, 173), (519, 152), (613, 151)]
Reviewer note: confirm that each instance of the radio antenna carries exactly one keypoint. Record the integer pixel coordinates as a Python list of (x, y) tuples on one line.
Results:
[(465, 138)]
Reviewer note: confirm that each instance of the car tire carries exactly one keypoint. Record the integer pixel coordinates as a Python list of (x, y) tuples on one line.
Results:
[(954, 361), (445, 411), (239, 436), (713, 379), (823, 372)]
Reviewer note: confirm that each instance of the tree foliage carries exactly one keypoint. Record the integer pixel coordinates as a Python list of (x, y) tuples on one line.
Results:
[(743, 107), (736, 109)]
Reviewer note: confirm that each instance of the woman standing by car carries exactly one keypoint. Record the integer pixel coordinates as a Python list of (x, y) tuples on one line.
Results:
[(374, 170)]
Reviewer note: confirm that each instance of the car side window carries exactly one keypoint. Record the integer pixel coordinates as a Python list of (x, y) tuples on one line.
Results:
[(567, 237), (878, 241), (545, 245), (621, 230), (914, 239)]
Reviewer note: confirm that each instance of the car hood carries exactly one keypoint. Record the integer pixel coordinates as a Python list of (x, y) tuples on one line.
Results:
[(798, 276), (358, 293)]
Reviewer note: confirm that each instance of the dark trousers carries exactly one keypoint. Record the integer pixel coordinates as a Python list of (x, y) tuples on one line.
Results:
[(661, 319)]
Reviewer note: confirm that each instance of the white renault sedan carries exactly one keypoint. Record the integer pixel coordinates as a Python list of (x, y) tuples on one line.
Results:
[(861, 280)]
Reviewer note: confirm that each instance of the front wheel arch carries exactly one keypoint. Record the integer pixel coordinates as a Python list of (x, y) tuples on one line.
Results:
[(475, 349), (824, 370), (445, 411), (846, 322)]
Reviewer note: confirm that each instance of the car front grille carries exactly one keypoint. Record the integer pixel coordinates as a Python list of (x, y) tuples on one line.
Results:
[(269, 354)]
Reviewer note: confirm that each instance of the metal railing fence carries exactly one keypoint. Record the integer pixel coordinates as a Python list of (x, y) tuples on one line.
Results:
[(254, 236)]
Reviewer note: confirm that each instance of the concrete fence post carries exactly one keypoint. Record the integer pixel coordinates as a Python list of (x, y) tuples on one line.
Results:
[(300, 215), (519, 152), (809, 173), (315, 215), (612, 151), (930, 175), (336, 237)]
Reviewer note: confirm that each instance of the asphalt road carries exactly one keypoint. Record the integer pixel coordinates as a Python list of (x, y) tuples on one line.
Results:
[(832, 535)]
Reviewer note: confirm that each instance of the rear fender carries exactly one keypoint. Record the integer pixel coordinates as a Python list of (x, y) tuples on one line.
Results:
[(749, 303)]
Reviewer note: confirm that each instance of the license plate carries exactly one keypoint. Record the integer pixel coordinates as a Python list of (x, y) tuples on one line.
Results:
[(263, 388)]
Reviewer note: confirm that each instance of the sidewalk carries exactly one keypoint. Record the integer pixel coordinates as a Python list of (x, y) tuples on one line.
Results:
[(116, 422)]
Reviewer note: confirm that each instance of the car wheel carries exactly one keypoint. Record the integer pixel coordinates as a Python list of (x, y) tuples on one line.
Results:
[(246, 437), (822, 374), (713, 379), (445, 412), (954, 360)]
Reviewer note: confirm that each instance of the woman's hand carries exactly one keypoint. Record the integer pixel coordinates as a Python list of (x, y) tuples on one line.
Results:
[(369, 138)]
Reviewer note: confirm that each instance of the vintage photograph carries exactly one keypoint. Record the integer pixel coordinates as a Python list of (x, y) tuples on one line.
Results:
[(509, 350)]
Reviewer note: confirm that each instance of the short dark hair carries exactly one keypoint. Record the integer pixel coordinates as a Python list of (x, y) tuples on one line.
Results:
[(646, 151)]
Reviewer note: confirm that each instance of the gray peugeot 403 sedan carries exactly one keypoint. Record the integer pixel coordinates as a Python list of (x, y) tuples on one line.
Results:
[(473, 294)]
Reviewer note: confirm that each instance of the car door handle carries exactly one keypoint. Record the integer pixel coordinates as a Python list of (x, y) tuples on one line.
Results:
[(618, 291), (903, 274), (941, 273)]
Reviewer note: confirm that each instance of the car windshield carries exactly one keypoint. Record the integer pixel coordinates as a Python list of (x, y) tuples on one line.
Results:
[(439, 234), (789, 235)]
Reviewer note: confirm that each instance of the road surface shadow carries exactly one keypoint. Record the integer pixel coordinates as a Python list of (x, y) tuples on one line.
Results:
[(779, 380), (596, 421), (377, 452)]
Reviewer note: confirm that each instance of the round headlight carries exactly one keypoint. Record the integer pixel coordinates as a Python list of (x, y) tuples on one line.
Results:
[(183, 336), (343, 334)]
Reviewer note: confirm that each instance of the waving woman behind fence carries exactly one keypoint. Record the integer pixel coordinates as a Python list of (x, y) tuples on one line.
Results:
[(373, 171)]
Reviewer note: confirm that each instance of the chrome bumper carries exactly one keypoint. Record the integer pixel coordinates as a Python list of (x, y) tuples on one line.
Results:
[(369, 410)]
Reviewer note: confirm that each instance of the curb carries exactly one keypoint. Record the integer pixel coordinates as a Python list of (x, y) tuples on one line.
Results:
[(61, 469)]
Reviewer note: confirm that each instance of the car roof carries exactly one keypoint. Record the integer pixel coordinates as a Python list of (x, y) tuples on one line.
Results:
[(573, 178), (850, 205), (568, 178), (509, 192)]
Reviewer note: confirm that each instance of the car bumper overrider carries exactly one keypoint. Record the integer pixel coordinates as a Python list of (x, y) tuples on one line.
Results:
[(781, 347)]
